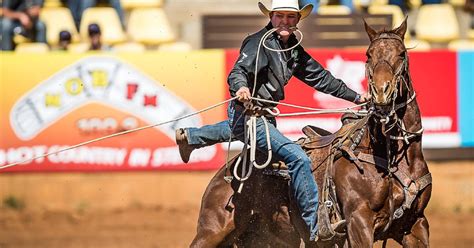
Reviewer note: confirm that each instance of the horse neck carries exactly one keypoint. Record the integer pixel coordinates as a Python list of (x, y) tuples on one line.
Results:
[(409, 115)]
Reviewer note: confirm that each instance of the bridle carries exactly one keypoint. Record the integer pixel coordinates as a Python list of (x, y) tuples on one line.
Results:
[(401, 75), (398, 73)]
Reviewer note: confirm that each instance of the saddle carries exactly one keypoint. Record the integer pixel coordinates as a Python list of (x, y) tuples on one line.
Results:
[(319, 138), (323, 147)]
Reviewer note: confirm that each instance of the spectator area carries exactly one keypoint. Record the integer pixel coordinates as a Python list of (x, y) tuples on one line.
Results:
[(321, 31), (185, 25)]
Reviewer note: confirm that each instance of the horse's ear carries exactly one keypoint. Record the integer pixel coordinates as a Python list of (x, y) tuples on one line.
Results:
[(370, 31), (402, 29)]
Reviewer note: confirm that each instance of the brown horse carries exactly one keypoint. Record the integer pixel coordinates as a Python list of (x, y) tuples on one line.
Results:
[(259, 216), (387, 200), (371, 173)]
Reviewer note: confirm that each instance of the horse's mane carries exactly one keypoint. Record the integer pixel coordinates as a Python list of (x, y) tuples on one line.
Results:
[(384, 30)]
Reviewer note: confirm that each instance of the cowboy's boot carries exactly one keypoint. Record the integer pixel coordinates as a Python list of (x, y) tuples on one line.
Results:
[(337, 227), (185, 148)]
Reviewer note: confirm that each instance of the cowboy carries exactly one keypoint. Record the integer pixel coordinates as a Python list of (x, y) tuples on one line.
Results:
[(274, 70)]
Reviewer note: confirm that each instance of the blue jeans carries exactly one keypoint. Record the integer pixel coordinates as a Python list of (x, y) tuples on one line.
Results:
[(77, 8), (8, 25), (303, 185), (211, 134)]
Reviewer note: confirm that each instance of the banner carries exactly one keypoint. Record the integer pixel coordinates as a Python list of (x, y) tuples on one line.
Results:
[(434, 78), (50, 102), (53, 101), (466, 99)]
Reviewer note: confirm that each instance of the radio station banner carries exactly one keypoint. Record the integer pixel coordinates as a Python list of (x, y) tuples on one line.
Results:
[(434, 76), (54, 101), (50, 102)]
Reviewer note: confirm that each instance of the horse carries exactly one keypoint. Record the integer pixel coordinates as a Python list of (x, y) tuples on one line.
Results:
[(371, 173), (258, 216)]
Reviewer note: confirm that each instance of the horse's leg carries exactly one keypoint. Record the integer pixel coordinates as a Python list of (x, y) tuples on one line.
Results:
[(419, 235), (215, 222), (359, 227)]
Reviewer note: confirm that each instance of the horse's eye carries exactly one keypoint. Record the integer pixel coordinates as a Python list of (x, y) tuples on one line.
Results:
[(402, 55)]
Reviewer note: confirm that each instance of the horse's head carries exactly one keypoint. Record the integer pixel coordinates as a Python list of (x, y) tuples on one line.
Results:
[(386, 63)]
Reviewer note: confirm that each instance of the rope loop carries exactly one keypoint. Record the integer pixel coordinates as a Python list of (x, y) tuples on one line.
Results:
[(273, 111)]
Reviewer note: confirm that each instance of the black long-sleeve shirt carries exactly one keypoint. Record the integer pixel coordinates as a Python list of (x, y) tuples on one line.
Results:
[(276, 68)]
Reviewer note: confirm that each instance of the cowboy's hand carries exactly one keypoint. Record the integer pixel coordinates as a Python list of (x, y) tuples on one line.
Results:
[(243, 94), (363, 98), (25, 20)]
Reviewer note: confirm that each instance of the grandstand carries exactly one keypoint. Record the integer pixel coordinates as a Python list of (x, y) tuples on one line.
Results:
[(179, 25)]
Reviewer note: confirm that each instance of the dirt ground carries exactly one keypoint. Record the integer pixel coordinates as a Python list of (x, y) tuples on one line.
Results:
[(161, 209)]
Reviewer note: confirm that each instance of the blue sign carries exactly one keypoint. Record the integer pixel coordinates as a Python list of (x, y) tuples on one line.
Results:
[(466, 97)]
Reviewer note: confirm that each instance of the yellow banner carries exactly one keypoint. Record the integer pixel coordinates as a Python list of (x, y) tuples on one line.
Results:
[(52, 101)]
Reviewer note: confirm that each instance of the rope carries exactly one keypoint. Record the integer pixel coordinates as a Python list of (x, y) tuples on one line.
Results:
[(116, 134), (253, 120), (253, 139), (314, 110), (250, 128), (262, 43), (243, 154), (250, 140), (274, 112)]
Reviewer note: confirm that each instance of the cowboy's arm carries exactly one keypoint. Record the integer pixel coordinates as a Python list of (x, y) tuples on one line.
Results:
[(243, 72), (12, 14), (313, 74)]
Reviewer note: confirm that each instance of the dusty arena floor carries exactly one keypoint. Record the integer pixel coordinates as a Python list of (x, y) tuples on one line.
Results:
[(160, 209)]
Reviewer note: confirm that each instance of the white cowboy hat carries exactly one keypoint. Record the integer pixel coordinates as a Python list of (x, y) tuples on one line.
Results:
[(286, 5)]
